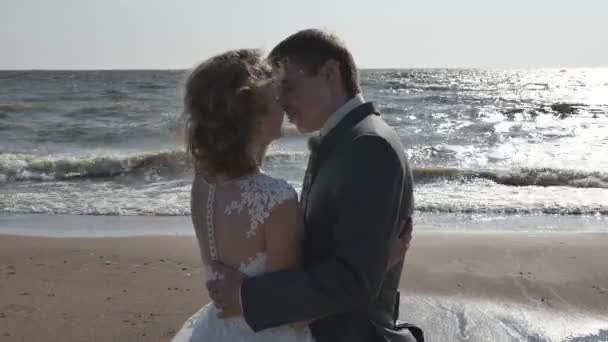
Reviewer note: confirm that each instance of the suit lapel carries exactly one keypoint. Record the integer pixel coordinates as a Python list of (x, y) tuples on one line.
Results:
[(330, 141)]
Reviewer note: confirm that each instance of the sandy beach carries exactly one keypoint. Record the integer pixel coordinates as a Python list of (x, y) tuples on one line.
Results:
[(143, 288)]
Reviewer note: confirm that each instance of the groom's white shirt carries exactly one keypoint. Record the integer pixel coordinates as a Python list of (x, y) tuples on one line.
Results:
[(333, 120)]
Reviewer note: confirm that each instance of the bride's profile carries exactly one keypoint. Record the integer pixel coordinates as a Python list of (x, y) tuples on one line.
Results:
[(242, 217)]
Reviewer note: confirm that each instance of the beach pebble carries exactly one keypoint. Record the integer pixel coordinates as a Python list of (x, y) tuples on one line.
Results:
[(25, 293), (2, 315)]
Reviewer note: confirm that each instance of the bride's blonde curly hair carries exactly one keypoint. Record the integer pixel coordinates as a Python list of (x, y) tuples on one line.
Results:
[(224, 100)]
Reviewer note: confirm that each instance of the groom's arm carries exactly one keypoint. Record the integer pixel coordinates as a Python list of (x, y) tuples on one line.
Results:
[(366, 225)]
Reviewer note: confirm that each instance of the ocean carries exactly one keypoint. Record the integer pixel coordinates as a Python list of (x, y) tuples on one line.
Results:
[(490, 149)]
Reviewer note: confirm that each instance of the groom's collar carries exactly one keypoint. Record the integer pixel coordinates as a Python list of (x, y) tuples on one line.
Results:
[(340, 113), (350, 120)]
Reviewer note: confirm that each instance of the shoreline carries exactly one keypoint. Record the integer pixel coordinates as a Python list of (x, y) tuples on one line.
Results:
[(144, 288), (102, 226)]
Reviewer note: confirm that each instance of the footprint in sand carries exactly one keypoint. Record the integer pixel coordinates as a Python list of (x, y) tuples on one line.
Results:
[(19, 309), (11, 270), (128, 321)]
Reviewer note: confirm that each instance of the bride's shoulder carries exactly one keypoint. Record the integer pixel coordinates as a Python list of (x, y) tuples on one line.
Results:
[(277, 188)]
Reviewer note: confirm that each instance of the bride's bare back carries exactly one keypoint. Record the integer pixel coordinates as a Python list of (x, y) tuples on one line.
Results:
[(251, 223)]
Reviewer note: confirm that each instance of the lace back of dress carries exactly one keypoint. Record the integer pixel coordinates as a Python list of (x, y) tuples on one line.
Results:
[(229, 218)]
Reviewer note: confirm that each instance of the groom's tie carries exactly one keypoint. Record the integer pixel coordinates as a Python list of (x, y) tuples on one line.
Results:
[(313, 145)]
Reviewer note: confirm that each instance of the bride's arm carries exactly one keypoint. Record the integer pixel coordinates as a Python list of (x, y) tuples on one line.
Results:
[(283, 234)]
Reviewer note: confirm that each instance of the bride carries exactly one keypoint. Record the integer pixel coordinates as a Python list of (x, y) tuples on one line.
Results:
[(242, 217)]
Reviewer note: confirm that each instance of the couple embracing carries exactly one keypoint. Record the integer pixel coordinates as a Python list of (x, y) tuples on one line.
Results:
[(324, 267)]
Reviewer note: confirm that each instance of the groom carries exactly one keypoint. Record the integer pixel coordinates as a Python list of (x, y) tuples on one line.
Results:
[(357, 200)]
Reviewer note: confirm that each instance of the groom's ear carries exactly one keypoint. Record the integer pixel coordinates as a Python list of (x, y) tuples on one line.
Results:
[(331, 71)]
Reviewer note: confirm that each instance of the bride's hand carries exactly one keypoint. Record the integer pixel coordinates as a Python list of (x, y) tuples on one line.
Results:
[(226, 290)]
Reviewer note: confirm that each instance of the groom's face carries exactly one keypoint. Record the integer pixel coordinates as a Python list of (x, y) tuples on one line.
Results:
[(304, 97)]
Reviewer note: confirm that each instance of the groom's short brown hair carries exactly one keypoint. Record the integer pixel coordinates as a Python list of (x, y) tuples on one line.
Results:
[(311, 48)]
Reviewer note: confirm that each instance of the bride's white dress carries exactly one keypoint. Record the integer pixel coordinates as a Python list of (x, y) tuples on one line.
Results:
[(234, 235)]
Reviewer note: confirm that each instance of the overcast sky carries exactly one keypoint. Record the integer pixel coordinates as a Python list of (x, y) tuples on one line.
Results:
[(176, 34)]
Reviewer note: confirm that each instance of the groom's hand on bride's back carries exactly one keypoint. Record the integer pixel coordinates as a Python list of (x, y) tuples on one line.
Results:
[(226, 291), (402, 244)]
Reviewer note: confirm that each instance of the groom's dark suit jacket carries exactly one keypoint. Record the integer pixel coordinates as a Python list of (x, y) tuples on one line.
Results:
[(361, 187)]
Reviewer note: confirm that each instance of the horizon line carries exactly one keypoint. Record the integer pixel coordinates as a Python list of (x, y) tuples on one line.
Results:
[(362, 68)]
